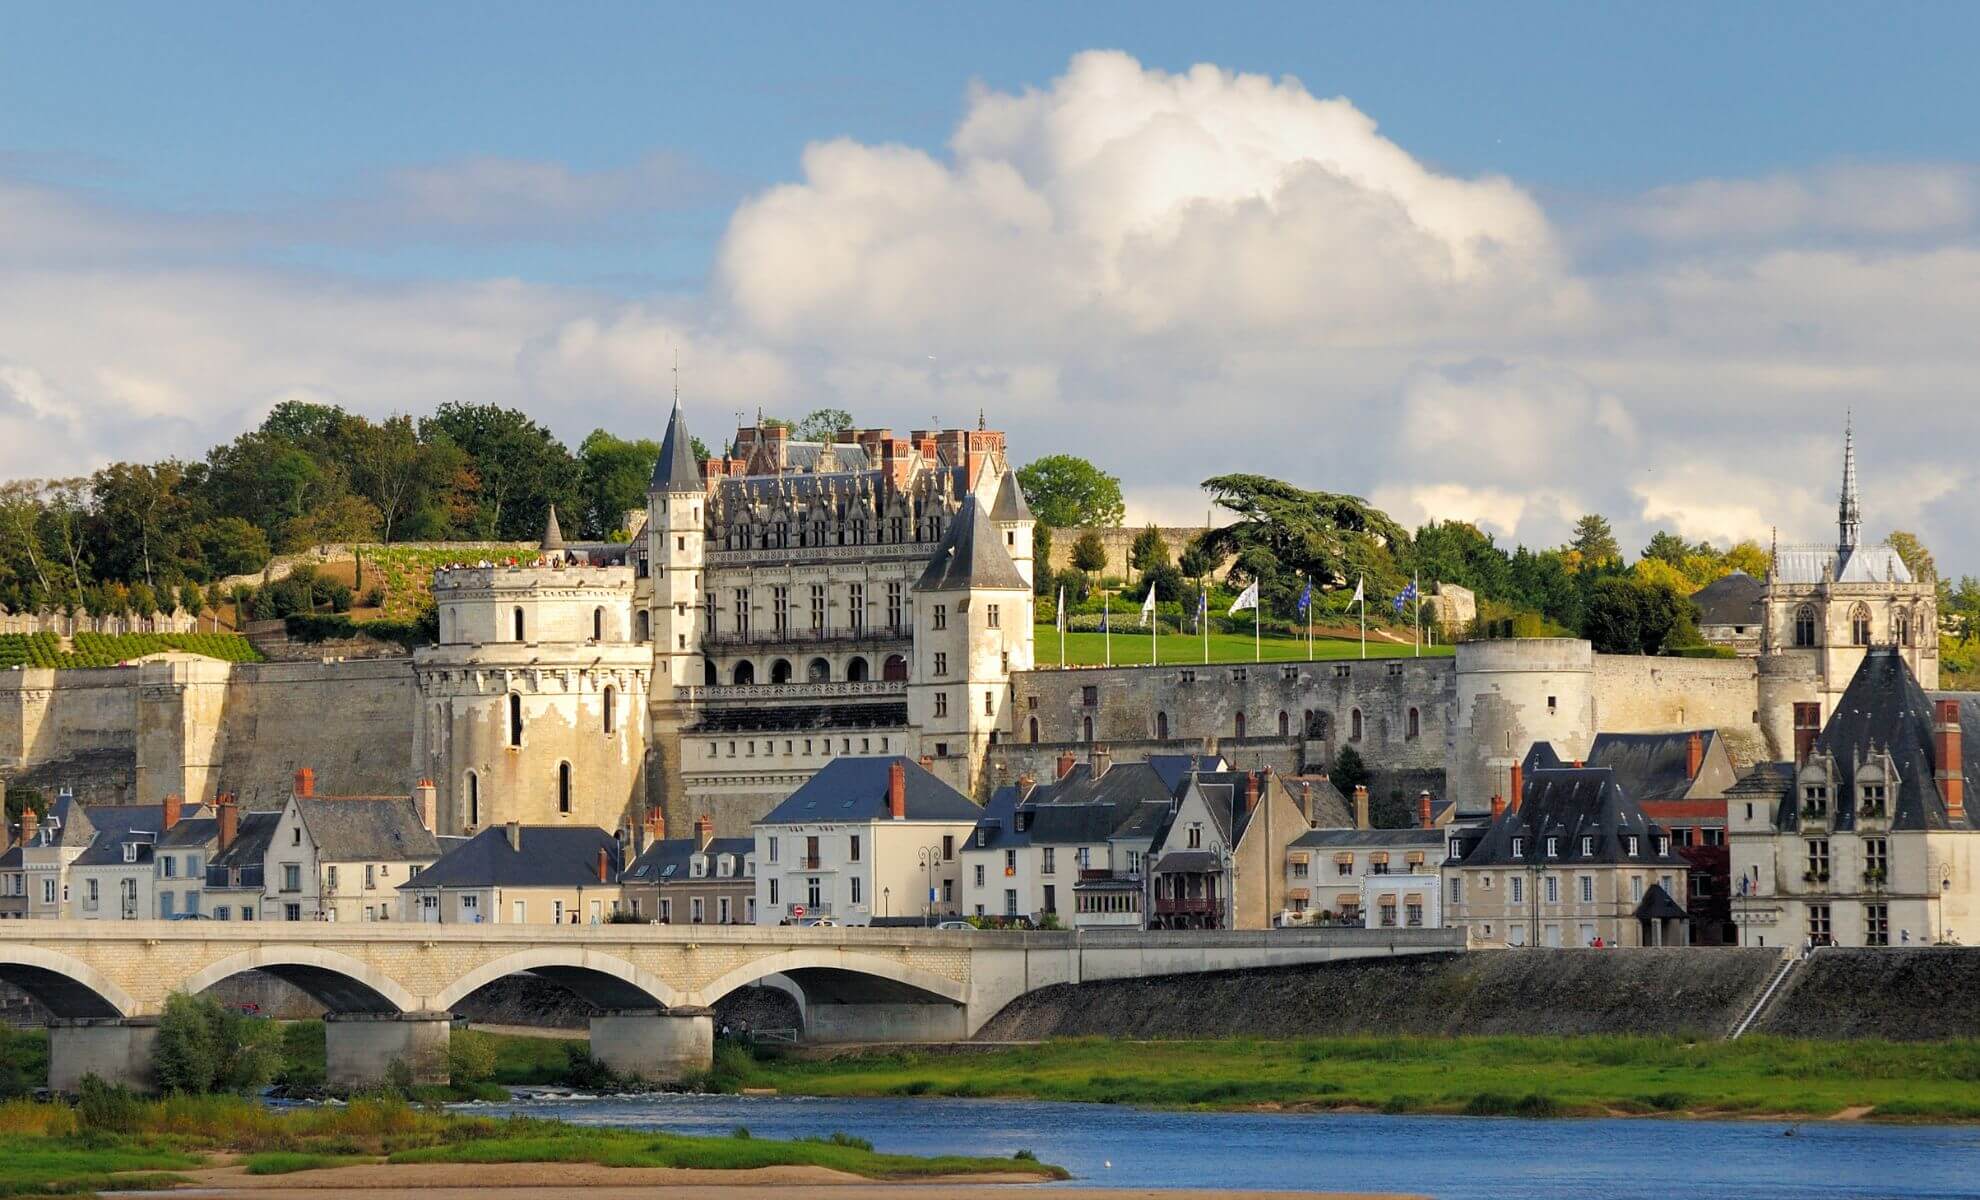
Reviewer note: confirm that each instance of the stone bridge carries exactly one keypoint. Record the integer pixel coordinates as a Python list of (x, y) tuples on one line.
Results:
[(389, 988)]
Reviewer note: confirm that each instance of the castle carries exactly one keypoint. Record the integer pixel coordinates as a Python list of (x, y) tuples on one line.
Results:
[(786, 603)]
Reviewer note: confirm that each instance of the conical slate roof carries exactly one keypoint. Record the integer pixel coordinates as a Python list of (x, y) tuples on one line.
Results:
[(675, 470), (971, 556), (1010, 505), (553, 536)]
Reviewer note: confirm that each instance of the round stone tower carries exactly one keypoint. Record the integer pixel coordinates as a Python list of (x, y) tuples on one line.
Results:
[(1511, 694)]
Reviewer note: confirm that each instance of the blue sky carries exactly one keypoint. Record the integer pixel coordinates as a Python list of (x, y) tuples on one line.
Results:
[(1651, 231)]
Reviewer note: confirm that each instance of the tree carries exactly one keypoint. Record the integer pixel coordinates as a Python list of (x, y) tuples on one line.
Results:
[(822, 425), (1194, 561), (1624, 616), (395, 471), (1750, 557), (205, 1047), (1349, 772), (231, 546), (191, 599), (1594, 541), (1150, 550), (520, 469), (1089, 553), (613, 474), (1459, 552), (345, 519), (1065, 490), (1666, 546), (1284, 533), (1917, 559)]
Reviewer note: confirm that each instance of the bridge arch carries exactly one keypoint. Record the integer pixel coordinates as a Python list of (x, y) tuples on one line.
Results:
[(828, 974), (607, 981), (340, 983), (65, 986)]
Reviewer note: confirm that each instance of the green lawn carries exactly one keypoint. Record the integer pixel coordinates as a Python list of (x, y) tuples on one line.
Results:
[(1131, 648), (1529, 1076)]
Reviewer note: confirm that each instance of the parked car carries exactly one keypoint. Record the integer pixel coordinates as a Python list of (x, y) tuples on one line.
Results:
[(965, 925), (815, 923)]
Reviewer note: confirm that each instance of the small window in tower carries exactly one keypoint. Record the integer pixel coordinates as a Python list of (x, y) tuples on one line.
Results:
[(564, 789), (515, 719)]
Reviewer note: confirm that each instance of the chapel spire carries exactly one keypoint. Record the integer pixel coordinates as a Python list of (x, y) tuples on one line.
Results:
[(1849, 516)]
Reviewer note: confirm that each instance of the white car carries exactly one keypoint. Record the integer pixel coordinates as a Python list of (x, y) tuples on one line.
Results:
[(815, 923), (955, 925)]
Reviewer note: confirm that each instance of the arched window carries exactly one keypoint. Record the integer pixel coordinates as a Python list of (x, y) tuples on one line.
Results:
[(515, 719), (1859, 625), (1034, 730), (597, 624), (894, 670), (1240, 725), (1285, 723), (1414, 725), (1086, 730), (611, 709), (563, 789), (1804, 625), (745, 673), (518, 621), (780, 671), (1901, 627), (473, 789), (1354, 725), (643, 626), (1161, 726), (856, 670), (708, 674), (819, 671)]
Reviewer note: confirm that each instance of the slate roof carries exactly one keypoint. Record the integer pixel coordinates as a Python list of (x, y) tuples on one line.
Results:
[(1570, 803), (116, 824), (551, 856), (251, 838), (665, 862), (1010, 505), (366, 830), (1658, 906), (1175, 768), (970, 555), (1862, 564), (1192, 862), (855, 789), (1223, 795), (799, 718), (1324, 803), (1733, 599), (1884, 710), (1649, 766), (1343, 839), (675, 469)]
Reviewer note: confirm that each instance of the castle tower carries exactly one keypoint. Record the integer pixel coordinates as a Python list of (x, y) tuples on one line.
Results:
[(675, 527), (972, 616)]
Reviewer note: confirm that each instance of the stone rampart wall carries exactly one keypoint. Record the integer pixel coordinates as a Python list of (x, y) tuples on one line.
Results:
[(1638, 693), (351, 722)]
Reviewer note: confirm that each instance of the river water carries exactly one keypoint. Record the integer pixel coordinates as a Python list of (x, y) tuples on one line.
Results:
[(1451, 1158)]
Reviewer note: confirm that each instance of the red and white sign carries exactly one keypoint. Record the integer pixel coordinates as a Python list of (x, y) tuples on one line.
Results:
[(797, 910)]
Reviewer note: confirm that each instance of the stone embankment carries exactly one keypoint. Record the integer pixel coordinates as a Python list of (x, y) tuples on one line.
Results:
[(1687, 992), (1925, 994)]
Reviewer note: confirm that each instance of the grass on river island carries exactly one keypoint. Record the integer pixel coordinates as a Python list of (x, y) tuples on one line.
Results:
[(112, 1140), (1525, 1076)]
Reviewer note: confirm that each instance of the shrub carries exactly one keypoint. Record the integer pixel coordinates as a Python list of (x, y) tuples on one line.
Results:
[(470, 1056), (740, 1133), (107, 1109), (205, 1046), (588, 1074)]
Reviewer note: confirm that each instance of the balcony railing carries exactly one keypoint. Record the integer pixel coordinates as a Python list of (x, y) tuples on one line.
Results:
[(799, 636), (810, 862), (1188, 906), (732, 693)]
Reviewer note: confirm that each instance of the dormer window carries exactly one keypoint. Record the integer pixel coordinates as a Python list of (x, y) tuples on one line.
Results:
[(1633, 843), (1871, 796), (1456, 847), (697, 866), (1815, 800), (1663, 847), (1587, 847), (982, 838), (1519, 847), (725, 866), (1553, 847), (130, 852)]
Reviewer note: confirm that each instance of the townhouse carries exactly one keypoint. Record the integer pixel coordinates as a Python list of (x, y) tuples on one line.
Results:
[(1383, 878), (698, 880), (522, 875), (1219, 860)]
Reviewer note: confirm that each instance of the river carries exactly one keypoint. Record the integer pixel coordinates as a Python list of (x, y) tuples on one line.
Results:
[(1450, 1158)]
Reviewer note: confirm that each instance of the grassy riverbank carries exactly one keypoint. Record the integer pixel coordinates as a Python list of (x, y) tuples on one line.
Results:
[(1527, 1076), (111, 1140)]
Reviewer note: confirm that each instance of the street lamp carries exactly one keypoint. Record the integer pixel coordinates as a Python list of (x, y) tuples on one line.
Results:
[(931, 857)]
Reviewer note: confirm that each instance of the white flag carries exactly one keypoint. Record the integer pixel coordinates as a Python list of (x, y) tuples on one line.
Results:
[(1059, 611), (1148, 605), (1248, 600), (1357, 593)]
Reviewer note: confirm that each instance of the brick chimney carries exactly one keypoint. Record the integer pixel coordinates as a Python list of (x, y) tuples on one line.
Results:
[(230, 819), (1250, 790), (897, 790), (305, 782), (656, 825), (1363, 819), (1025, 782), (426, 798), (1101, 757), (927, 762), (704, 830), (1694, 754), (604, 865), (1306, 800), (1807, 727), (174, 808), (1951, 771), (1423, 809), (515, 837), (29, 823), (1066, 762), (626, 852), (1498, 807), (1517, 791)]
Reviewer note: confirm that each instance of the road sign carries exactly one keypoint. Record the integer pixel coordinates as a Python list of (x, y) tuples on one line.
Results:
[(797, 910)]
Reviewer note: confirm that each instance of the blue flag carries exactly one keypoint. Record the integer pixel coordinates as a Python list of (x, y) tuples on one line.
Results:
[(1104, 627), (1306, 598)]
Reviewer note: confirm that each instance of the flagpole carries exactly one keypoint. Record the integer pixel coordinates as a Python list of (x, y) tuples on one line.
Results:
[(1107, 622), (1309, 620), (1203, 614), (1062, 626), (1154, 630), (1415, 585), (1257, 636)]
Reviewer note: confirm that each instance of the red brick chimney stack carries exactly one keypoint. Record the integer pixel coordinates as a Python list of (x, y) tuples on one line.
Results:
[(1250, 791), (1423, 809), (1517, 791), (1951, 770), (1066, 762), (426, 798), (927, 762), (604, 865), (897, 790), (1363, 818), (704, 831), (230, 819), (1694, 754), (656, 825), (1498, 807), (305, 782), (174, 808), (29, 823)]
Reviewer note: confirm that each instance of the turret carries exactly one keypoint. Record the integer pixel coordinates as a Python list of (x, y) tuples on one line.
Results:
[(1849, 515), (674, 526)]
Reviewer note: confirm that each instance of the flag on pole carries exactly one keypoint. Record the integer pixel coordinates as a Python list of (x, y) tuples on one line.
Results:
[(1306, 598), (1148, 606), (1249, 599), (1059, 611), (1202, 607), (1358, 597)]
